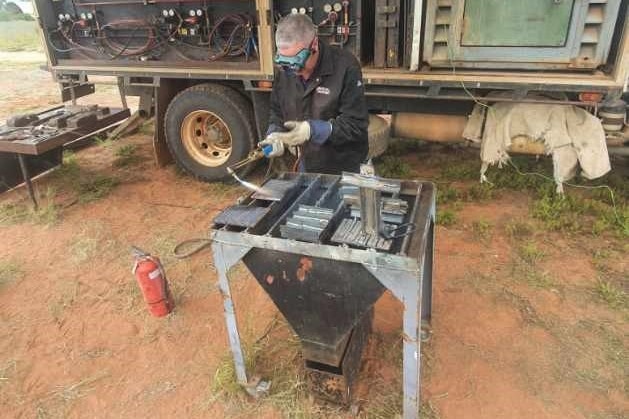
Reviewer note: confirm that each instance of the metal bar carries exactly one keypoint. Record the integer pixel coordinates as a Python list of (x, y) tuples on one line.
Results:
[(230, 315), (370, 206), (411, 219), (417, 34), (479, 98), (366, 257), (27, 180), (328, 193), (121, 90), (314, 184), (411, 355), (72, 93)]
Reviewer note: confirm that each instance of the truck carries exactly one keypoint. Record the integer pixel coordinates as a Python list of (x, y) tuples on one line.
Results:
[(204, 68)]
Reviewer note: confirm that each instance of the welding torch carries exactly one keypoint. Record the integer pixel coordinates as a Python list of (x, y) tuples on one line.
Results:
[(254, 155), (258, 153)]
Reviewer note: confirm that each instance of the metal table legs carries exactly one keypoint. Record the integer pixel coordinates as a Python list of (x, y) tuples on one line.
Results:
[(412, 287), (27, 180)]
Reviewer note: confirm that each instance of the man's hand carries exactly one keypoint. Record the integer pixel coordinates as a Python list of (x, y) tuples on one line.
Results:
[(277, 146), (297, 134)]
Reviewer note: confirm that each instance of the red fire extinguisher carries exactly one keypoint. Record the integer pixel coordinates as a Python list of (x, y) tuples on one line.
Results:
[(151, 278)]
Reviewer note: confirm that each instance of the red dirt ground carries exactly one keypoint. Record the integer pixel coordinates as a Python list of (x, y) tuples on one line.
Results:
[(76, 340)]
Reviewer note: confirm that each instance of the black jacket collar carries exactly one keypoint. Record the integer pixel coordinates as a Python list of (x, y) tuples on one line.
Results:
[(325, 66)]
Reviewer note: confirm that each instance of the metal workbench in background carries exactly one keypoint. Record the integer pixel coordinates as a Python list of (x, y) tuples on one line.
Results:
[(36, 139)]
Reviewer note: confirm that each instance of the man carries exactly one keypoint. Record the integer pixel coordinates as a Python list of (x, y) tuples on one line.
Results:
[(318, 102)]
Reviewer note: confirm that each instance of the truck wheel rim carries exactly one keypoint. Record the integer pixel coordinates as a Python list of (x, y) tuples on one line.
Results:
[(206, 138)]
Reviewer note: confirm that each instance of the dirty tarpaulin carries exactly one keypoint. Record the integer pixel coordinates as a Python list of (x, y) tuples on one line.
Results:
[(570, 134)]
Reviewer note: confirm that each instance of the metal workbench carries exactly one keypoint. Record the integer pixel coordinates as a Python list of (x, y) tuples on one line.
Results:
[(323, 275)]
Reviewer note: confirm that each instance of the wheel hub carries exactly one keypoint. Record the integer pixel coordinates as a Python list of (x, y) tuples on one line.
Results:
[(206, 138)]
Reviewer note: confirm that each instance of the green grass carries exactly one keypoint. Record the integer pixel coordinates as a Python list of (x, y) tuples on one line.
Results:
[(518, 229), (103, 141), (446, 218), (147, 128), (275, 359), (88, 186), (126, 155), (508, 177), (96, 187), (482, 230), (577, 211), (461, 170), (393, 167), (22, 211), (525, 267), (533, 277), (481, 192), (613, 296), (574, 214), (85, 185), (19, 36), (13, 213), (10, 272), (14, 17), (447, 195), (530, 253), (559, 213)]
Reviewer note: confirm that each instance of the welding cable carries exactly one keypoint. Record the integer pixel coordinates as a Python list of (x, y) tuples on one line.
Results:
[(182, 55), (68, 37), (122, 50), (193, 246), (56, 48), (126, 45), (229, 47)]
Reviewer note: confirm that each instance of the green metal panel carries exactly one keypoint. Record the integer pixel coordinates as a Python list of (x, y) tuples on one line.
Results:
[(522, 23)]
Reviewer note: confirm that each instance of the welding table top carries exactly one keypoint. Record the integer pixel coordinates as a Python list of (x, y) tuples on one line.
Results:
[(265, 232), (39, 144)]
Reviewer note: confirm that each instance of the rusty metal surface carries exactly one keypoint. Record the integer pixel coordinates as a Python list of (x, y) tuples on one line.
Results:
[(322, 301), (337, 384)]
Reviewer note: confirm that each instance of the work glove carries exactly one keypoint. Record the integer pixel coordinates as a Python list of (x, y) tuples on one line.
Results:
[(272, 146), (298, 132)]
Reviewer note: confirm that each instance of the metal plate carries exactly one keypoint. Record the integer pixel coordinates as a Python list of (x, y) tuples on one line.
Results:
[(274, 190), (530, 23), (241, 216), (350, 232)]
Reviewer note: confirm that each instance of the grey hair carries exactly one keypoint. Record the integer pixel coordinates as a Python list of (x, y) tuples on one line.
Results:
[(294, 29)]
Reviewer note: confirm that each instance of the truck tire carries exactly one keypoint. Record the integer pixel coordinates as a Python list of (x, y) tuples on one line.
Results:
[(379, 133), (209, 127)]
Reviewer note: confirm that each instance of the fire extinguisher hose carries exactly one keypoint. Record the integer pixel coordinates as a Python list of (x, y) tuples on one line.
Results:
[(190, 247)]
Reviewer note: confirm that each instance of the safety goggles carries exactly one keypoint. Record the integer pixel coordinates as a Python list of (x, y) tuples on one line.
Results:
[(295, 62)]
